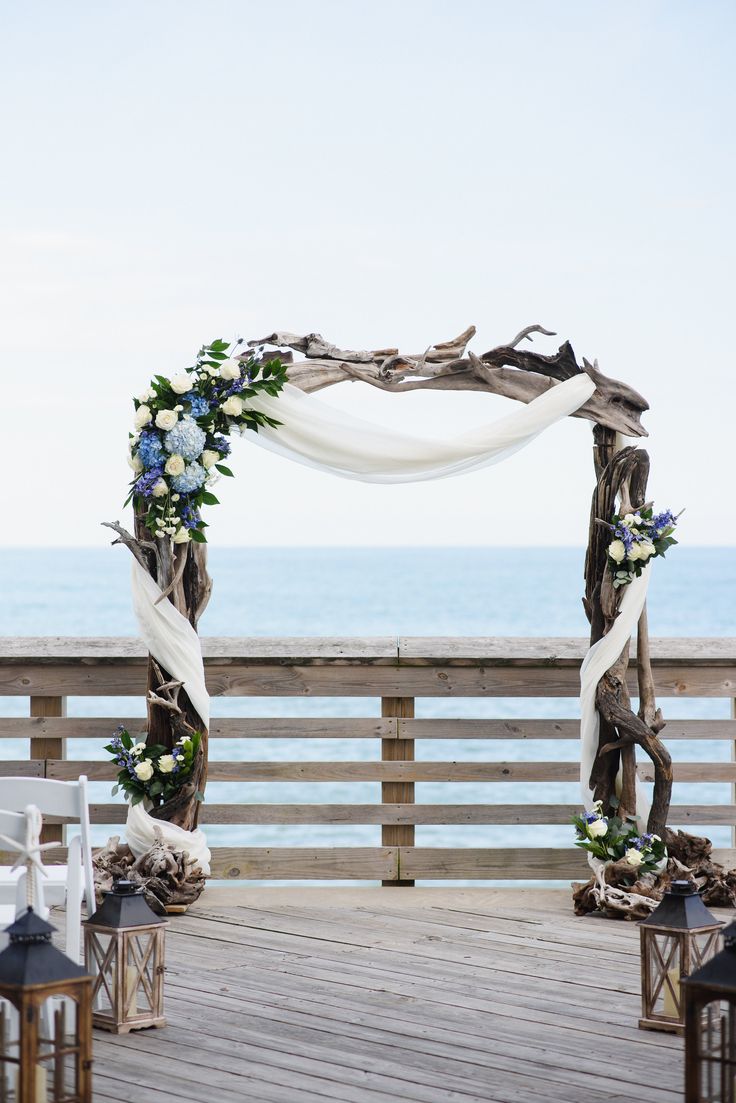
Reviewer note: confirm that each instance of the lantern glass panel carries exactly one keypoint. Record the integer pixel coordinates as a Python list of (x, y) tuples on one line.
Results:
[(140, 962), (716, 1053), (673, 955), (56, 1070)]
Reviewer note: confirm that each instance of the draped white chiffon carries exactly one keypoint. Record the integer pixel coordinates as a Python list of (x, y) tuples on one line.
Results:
[(318, 435)]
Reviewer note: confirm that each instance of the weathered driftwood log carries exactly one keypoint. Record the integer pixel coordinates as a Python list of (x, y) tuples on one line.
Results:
[(182, 576), (170, 879), (621, 487), (449, 366)]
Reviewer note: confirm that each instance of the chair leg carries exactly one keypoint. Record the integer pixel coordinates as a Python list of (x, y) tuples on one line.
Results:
[(74, 900)]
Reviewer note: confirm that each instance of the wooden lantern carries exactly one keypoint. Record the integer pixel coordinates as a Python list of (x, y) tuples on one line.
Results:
[(46, 1023), (124, 948), (680, 935), (709, 996)]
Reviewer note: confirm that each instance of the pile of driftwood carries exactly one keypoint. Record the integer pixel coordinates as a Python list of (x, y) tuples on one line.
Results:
[(689, 859), (172, 881)]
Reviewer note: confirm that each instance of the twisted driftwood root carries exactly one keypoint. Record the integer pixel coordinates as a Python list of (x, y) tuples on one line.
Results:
[(170, 879), (690, 859)]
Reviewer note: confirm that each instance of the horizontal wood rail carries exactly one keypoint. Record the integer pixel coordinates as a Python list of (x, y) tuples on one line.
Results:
[(397, 671)]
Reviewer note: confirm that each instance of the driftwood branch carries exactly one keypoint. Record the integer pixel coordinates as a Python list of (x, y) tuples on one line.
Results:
[(449, 366)]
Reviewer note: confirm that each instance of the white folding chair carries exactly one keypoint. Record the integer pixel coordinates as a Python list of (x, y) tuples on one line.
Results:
[(64, 884)]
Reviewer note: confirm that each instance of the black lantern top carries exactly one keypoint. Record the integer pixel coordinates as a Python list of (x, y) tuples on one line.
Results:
[(31, 958), (681, 909), (124, 906), (718, 974)]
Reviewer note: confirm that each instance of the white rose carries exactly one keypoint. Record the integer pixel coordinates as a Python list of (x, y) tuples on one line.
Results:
[(175, 465), (209, 458), (135, 462), (635, 552), (634, 857), (213, 372), (182, 536), (180, 384), (144, 396), (230, 369), (144, 770), (142, 416), (139, 748), (160, 488), (646, 549), (166, 763), (617, 551), (233, 406), (166, 419), (597, 828)]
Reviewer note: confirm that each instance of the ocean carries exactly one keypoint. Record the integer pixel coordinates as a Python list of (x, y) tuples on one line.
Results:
[(371, 592)]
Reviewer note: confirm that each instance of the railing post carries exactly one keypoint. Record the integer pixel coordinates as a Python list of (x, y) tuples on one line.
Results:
[(46, 747), (397, 792)]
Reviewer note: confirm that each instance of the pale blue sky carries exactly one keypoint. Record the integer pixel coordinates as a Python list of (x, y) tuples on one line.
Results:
[(384, 173)]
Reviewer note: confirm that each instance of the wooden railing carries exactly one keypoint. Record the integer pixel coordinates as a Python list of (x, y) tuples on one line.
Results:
[(397, 671)]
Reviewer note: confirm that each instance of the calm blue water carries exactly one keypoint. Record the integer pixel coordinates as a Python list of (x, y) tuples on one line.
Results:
[(384, 591)]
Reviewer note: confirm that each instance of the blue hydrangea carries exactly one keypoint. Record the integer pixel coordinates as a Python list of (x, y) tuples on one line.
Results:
[(191, 478), (198, 403), (151, 450), (222, 445), (185, 439)]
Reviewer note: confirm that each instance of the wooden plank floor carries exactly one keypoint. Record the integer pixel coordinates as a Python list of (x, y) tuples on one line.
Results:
[(369, 995)]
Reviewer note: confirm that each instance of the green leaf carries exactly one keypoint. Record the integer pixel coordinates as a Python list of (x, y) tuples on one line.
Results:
[(197, 536), (115, 790), (210, 499), (224, 470)]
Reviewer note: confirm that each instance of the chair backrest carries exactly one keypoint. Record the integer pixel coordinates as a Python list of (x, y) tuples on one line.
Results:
[(67, 799), (20, 828)]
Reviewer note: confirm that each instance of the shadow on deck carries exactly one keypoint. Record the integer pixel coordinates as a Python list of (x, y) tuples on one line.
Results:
[(367, 995)]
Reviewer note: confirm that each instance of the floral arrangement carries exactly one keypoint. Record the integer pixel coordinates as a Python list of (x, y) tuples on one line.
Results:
[(611, 839), (181, 435), (153, 774), (638, 537)]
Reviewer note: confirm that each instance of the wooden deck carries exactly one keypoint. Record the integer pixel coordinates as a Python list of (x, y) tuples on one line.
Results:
[(367, 995)]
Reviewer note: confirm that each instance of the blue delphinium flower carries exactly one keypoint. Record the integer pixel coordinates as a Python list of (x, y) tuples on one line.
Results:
[(185, 439), (221, 444), (145, 484), (189, 516), (151, 450), (191, 478), (198, 403)]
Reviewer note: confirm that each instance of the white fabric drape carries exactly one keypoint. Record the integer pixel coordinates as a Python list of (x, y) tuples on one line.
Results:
[(321, 436), (318, 435), (141, 831), (599, 658)]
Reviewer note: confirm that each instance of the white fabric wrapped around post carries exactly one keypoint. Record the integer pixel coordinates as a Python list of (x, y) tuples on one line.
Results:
[(321, 436), (601, 656)]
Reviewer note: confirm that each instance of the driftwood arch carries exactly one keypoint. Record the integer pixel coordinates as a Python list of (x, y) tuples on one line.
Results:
[(513, 371)]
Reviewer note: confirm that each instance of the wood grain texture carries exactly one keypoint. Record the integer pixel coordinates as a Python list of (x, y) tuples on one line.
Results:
[(70, 769), (397, 792), (99, 728), (682, 815), (360, 996)]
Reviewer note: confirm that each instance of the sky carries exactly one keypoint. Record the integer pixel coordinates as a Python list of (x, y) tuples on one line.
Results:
[(384, 174)]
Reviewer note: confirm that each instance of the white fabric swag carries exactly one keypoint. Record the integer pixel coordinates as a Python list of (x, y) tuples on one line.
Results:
[(320, 436)]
